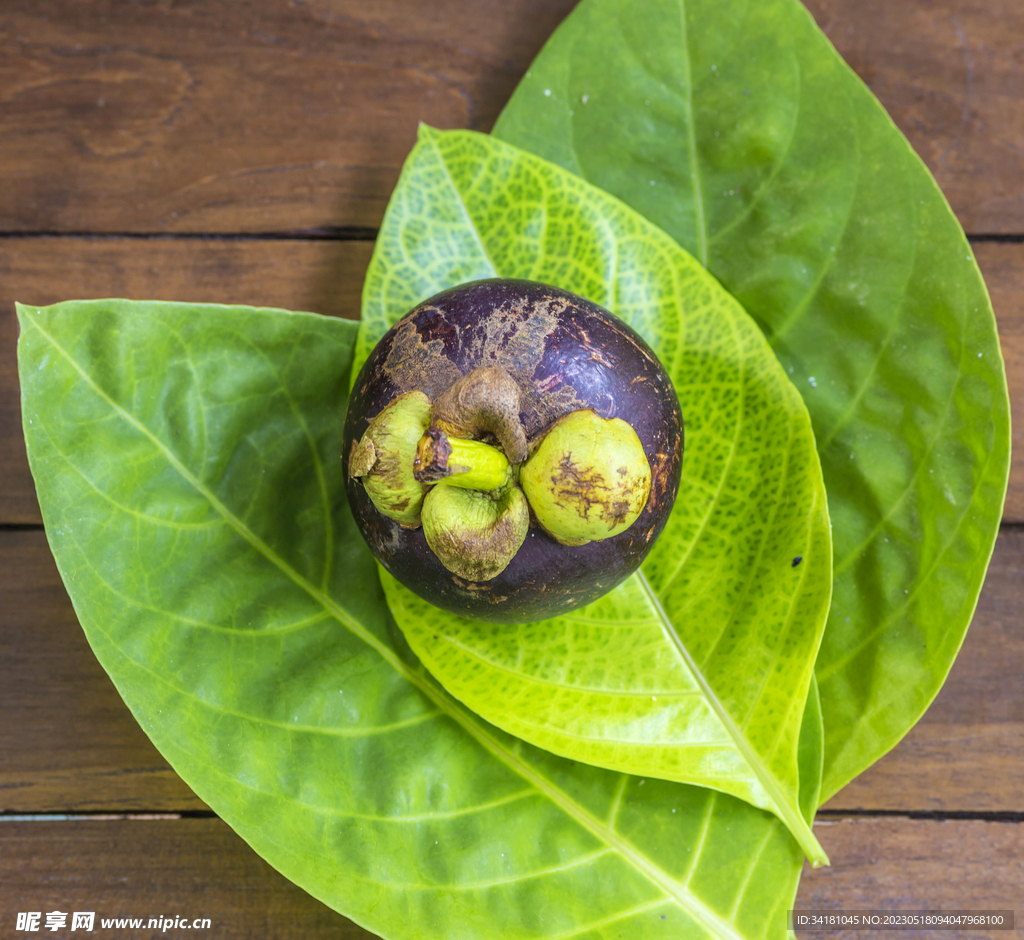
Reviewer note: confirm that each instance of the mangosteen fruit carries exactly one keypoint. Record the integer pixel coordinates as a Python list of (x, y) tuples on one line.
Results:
[(511, 451)]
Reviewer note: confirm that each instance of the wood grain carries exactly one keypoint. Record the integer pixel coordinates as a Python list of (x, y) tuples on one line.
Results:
[(69, 742), (210, 116), (205, 117), (199, 868), (151, 868), (904, 864), (321, 276)]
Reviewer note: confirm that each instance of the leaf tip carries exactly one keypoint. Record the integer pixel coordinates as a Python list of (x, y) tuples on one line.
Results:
[(425, 132), (24, 312)]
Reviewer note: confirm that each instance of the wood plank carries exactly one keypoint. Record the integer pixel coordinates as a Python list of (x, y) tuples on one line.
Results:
[(69, 742), (199, 868), (213, 116), (145, 868), (907, 864), (191, 117), (967, 752), (321, 276), (67, 739)]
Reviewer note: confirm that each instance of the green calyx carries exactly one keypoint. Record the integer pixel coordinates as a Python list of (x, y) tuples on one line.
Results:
[(475, 534), (383, 459), (474, 517), (461, 490), (469, 465), (588, 479), (422, 463)]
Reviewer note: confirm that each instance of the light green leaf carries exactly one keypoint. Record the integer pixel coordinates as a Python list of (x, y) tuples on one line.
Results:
[(737, 128), (701, 674), (186, 460)]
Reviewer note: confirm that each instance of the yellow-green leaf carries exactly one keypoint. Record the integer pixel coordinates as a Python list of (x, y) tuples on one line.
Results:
[(696, 670)]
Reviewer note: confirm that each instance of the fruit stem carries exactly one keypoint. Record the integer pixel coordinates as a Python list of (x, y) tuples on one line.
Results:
[(470, 465), (483, 402)]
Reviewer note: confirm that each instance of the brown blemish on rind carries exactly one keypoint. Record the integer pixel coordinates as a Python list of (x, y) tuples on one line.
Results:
[(513, 335), (598, 356), (661, 480), (413, 363), (518, 334)]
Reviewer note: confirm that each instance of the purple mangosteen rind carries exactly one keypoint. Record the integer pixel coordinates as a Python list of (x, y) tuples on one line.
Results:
[(566, 354)]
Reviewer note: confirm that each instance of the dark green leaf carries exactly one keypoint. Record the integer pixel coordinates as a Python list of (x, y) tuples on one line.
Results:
[(737, 128)]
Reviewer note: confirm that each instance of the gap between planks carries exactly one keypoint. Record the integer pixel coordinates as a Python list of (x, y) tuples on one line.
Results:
[(328, 233), (823, 815)]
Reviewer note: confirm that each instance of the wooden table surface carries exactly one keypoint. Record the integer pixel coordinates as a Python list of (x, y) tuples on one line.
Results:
[(244, 153)]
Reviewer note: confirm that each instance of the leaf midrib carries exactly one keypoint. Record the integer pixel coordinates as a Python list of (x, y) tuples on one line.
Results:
[(581, 816), (698, 191), (430, 136), (788, 813)]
